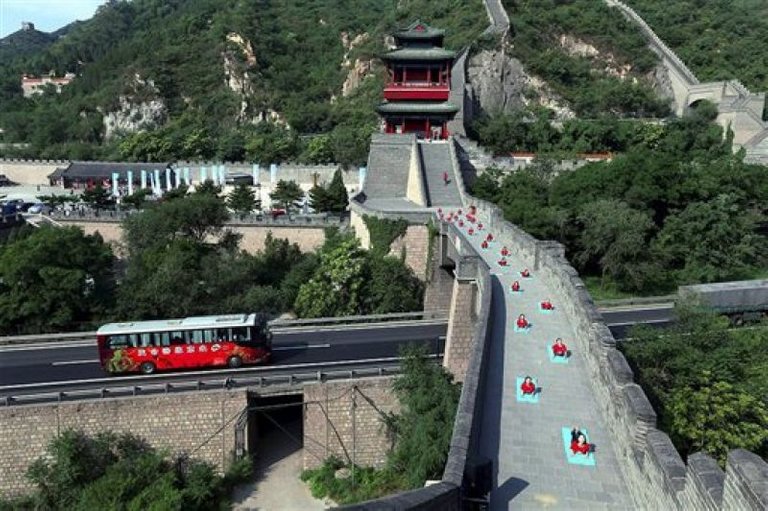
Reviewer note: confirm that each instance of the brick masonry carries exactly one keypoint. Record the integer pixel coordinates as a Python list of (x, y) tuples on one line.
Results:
[(340, 420), (461, 326), (415, 243), (178, 422), (308, 238), (655, 474)]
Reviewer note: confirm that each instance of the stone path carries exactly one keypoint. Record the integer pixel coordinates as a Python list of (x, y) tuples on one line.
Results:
[(524, 440)]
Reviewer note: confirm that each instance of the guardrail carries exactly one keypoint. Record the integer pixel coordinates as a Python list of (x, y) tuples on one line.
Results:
[(280, 324), (228, 383), (640, 300)]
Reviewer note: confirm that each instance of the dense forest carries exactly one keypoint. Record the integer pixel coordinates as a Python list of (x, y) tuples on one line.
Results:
[(173, 51), (616, 81), (718, 40), (676, 207)]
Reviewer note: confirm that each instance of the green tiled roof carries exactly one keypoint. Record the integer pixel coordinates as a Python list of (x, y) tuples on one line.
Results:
[(415, 107), (427, 32), (433, 53)]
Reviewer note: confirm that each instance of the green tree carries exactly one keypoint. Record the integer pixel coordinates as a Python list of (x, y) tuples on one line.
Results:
[(319, 150), (429, 399), (615, 236), (137, 199), (391, 287), (54, 279), (715, 417), (207, 187), (338, 199), (97, 197), (242, 200), (319, 199), (337, 286), (286, 194), (712, 241)]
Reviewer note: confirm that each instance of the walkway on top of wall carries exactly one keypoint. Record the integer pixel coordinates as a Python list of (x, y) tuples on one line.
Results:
[(524, 440)]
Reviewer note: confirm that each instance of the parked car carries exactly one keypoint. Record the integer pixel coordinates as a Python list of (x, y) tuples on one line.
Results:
[(39, 209)]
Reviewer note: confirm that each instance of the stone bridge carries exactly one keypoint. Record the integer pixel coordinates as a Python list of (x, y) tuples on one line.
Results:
[(738, 108)]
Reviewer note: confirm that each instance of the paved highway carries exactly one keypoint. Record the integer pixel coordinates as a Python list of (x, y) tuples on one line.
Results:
[(621, 319), (63, 362)]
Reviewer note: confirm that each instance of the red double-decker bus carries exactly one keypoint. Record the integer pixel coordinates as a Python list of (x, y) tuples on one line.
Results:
[(202, 341)]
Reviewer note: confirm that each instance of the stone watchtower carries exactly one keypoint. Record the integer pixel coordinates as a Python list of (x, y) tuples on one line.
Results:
[(416, 94)]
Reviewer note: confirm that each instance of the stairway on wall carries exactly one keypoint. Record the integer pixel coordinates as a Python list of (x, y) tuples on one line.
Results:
[(435, 160), (388, 163)]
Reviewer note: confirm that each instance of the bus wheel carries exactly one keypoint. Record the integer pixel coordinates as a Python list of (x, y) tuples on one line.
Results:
[(234, 362), (147, 367)]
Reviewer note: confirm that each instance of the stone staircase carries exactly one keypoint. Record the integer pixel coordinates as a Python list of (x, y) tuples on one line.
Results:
[(435, 160), (388, 164)]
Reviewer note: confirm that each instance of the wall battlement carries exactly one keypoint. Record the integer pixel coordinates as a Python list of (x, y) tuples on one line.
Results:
[(656, 475)]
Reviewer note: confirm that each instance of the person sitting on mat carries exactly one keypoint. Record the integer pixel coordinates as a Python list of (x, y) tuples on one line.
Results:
[(515, 286), (522, 322), (547, 305), (471, 231), (528, 387), (502, 262), (559, 349), (489, 237), (580, 445), (479, 226), (525, 273), (505, 251), (484, 244)]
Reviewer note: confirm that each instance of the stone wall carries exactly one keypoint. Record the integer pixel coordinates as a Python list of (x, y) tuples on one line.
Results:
[(30, 172), (459, 338), (656, 475), (309, 239), (346, 419), (178, 422), (415, 245)]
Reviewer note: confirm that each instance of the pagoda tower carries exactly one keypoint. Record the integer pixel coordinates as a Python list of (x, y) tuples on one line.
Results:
[(419, 84)]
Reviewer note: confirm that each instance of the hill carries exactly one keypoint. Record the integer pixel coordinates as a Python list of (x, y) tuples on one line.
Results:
[(200, 76), (717, 40)]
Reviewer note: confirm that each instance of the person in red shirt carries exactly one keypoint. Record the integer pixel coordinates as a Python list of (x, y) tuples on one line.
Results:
[(502, 262), (528, 387), (458, 212), (489, 237), (521, 321), (515, 286), (471, 231), (547, 305), (505, 251), (525, 273), (484, 244), (445, 178), (461, 223), (473, 210), (479, 226), (559, 349), (579, 445)]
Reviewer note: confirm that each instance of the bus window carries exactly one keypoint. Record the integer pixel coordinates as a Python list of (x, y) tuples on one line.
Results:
[(196, 336), (241, 334), (209, 335), (162, 339), (117, 342), (177, 339), (145, 340)]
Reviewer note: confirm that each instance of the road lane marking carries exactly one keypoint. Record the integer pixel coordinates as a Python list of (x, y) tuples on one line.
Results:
[(137, 378), (646, 322), (300, 347), (74, 362)]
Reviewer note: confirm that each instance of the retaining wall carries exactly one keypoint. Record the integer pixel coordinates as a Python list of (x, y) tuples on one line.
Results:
[(346, 419), (180, 423)]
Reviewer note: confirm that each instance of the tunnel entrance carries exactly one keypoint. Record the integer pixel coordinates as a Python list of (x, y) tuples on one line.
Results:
[(276, 427)]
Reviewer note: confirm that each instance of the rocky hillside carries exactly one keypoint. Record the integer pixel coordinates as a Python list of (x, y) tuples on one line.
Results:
[(229, 79)]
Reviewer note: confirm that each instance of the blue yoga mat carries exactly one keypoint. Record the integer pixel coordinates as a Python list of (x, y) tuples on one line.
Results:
[(577, 459), (516, 292), (523, 330), (526, 398), (545, 311), (556, 360)]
